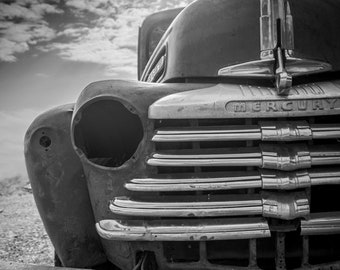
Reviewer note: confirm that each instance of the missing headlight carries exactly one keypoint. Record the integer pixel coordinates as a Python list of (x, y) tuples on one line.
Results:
[(107, 132)]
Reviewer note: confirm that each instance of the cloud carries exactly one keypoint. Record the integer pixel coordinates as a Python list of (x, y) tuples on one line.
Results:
[(26, 10), (110, 38), (22, 25), (102, 31)]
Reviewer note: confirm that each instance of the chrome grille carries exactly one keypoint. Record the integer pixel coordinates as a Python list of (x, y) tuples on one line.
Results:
[(263, 171), (218, 156)]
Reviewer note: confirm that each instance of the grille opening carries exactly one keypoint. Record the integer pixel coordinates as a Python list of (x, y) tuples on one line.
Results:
[(171, 123), (325, 198), (225, 169), (324, 248), (174, 170), (178, 170), (176, 123), (266, 253), (107, 132), (223, 144), (173, 145), (230, 252), (181, 252), (293, 245)]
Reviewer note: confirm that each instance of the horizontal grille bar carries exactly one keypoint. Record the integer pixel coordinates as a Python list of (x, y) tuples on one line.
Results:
[(265, 131), (284, 206), (321, 223), (269, 156), (189, 230), (266, 179)]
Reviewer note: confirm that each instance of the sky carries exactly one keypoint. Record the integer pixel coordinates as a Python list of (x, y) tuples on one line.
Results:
[(51, 49)]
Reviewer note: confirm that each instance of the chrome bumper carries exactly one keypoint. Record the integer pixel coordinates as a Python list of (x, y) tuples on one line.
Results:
[(189, 230), (209, 230)]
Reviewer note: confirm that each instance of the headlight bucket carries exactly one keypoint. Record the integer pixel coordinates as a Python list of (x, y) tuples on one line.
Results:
[(107, 131)]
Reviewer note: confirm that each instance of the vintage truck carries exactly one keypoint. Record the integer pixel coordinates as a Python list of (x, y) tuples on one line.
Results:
[(223, 155)]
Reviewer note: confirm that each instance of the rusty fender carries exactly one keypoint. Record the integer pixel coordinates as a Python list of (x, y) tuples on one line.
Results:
[(60, 190)]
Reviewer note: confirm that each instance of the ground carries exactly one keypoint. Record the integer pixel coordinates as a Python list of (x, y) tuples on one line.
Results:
[(22, 234)]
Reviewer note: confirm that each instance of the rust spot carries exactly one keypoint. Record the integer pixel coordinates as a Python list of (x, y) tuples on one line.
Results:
[(45, 141)]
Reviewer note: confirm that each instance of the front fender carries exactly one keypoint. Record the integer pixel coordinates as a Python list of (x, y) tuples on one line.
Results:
[(60, 189)]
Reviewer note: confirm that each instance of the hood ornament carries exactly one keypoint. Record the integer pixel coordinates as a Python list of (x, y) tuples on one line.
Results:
[(277, 49), (277, 39)]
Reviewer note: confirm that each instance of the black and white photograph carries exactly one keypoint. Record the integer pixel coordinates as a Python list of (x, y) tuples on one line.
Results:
[(170, 134)]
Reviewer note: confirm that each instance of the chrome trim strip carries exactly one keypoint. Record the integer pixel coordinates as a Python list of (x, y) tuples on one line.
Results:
[(272, 204), (265, 131), (265, 179), (226, 133), (321, 223), (285, 206), (196, 184), (193, 230), (250, 205), (269, 156)]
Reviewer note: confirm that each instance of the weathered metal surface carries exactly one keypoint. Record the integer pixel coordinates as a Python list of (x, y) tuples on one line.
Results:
[(191, 230), (237, 206), (235, 37), (244, 101), (233, 180), (288, 180), (288, 158), (106, 182), (163, 18), (271, 33), (269, 156), (280, 251), (266, 179), (326, 266), (285, 206), (321, 223), (24, 266), (60, 190), (265, 131)]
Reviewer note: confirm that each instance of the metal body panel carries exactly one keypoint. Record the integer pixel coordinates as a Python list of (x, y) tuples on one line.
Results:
[(229, 33), (60, 191), (105, 183), (245, 101)]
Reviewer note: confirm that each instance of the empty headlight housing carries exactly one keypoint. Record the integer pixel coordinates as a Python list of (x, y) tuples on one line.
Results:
[(107, 131)]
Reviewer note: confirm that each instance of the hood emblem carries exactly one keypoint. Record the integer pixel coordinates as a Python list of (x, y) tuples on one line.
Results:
[(277, 50)]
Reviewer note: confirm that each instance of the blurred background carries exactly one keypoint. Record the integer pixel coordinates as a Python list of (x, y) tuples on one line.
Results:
[(50, 50)]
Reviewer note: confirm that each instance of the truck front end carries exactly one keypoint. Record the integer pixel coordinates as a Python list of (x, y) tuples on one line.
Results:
[(226, 154)]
